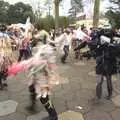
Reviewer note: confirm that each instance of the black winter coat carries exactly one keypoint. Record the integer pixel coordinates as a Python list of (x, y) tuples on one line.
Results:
[(106, 59)]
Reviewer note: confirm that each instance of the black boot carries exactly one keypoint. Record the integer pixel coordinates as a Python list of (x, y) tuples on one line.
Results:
[(33, 101), (1, 84), (5, 82), (32, 106), (49, 108), (32, 98)]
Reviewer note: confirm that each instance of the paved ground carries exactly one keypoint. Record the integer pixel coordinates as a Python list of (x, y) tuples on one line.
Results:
[(73, 98)]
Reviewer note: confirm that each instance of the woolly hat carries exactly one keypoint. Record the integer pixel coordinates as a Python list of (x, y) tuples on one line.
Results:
[(104, 39)]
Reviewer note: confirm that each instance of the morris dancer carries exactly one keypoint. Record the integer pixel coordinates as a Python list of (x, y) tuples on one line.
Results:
[(64, 42), (41, 69), (83, 37), (5, 56)]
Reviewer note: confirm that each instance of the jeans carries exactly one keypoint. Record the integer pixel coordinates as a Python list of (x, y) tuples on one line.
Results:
[(23, 53), (77, 49), (66, 52), (100, 79), (82, 45)]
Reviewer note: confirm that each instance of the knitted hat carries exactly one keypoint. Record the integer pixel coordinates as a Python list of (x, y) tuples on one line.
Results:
[(104, 40)]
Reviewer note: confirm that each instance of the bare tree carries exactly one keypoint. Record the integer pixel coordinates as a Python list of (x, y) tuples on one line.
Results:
[(96, 13), (57, 3), (77, 7)]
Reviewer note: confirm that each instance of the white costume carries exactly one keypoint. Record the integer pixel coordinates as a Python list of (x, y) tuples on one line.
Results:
[(42, 70), (63, 40), (81, 35)]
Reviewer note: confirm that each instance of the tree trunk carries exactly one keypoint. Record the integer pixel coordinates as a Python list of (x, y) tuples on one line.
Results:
[(56, 15), (96, 13)]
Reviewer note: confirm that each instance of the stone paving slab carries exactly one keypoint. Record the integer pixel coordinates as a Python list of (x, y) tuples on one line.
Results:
[(22, 94), (71, 115), (23, 108), (114, 78), (116, 100), (104, 105), (85, 94), (116, 86), (63, 80), (81, 63), (77, 103), (59, 105), (64, 67), (7, 107), (97, 115), (92, 73), (116, 114), (90, 86), (39, 116), (14, 116), (4, 95), (77, 88)]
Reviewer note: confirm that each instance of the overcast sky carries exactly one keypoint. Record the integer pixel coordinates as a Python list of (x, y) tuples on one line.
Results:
[(64, 9)]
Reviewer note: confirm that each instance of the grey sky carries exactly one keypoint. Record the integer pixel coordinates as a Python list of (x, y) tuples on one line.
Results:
[(63, 10)]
